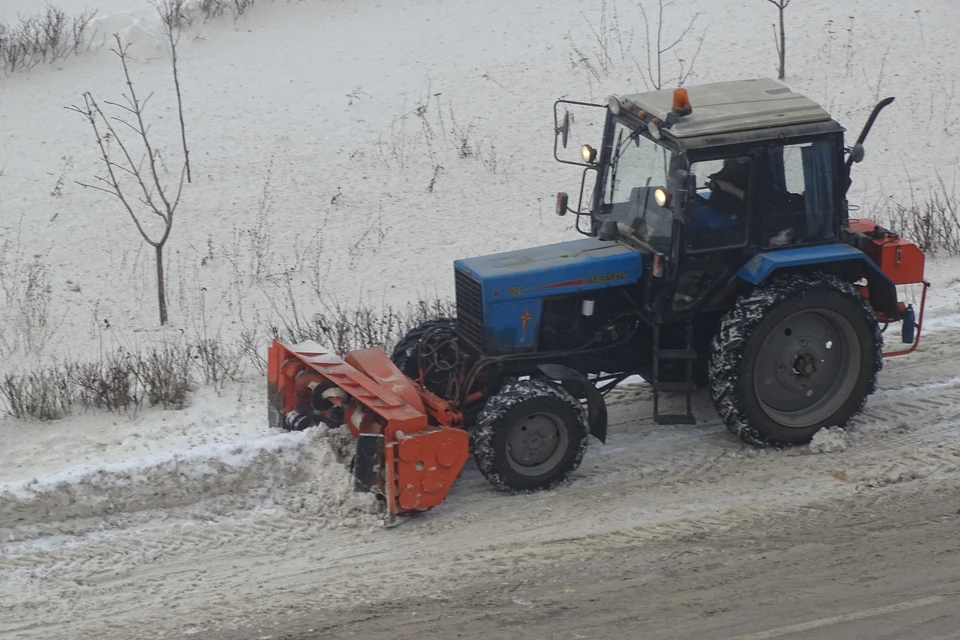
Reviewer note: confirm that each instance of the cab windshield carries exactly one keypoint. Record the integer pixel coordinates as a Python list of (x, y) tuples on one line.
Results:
[(638, 166)]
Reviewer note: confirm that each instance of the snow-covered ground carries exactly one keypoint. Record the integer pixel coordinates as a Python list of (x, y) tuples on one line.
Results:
[(322, 96), (179, 521)]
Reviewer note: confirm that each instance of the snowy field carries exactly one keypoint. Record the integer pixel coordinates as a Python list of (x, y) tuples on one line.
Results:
[(358, 148), (313, 103)]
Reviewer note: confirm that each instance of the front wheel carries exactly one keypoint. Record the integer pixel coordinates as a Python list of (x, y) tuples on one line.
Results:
[(531, 435), (438, 334), (793, 356)]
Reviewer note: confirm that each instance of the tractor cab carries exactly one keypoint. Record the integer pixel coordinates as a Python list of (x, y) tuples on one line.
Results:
[(705, 178)]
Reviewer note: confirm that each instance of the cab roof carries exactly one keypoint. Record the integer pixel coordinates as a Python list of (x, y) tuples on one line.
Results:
[(735, 106)]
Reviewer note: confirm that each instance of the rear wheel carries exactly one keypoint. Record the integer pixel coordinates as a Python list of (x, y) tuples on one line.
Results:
[(794, 356), (531, 435)]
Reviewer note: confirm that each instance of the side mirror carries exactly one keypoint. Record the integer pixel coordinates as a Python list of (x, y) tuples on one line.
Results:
[(564, 129), (561, 203), (857, 152)]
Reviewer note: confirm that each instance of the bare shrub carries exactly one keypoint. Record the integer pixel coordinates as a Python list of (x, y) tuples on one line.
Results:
[(490, 160), (345, 328), (217, 361), (461, 138), (609, 43), (175, 16), (164, 374), (249, 251), (12, 261), (217, 8), (44, 394), (33, 322), (44, 37), (253, 348), (612, 48), (400, 144), (110, 383), (259, 238), (25, 318), (932, 224)]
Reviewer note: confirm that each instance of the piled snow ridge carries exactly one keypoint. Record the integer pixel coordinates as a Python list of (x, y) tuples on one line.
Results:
[(829, 440), (300, 472)]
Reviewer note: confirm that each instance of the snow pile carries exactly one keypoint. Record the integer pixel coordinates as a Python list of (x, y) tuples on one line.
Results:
[(142, 35), (301, 472), (830, 440)]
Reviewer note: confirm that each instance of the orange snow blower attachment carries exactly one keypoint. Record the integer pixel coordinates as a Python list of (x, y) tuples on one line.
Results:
[(410, 447)]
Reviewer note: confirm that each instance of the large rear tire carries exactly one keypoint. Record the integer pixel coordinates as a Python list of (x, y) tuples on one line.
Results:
[(793, 356), (530, 436)]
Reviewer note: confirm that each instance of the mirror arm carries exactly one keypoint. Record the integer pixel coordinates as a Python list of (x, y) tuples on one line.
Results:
[(557, 129)]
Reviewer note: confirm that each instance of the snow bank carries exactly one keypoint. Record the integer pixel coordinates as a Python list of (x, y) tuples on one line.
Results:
[(301, 472)]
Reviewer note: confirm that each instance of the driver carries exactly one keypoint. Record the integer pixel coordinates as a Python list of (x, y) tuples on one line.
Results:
[(720, 220), (729, 185)]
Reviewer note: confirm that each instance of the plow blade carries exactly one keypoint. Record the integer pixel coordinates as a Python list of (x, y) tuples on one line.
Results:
[(410, 444)]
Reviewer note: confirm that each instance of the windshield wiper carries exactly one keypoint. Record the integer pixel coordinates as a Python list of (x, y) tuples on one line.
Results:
[(614, 164)]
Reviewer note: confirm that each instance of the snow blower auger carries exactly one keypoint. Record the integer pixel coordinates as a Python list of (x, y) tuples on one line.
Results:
[(410, 447)]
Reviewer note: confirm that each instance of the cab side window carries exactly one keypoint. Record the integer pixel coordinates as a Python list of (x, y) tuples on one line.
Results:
[(718, 213), (800, 203)]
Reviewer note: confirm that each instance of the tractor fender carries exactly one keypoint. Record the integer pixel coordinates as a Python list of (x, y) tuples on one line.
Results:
[(883, 292), (580, 387)]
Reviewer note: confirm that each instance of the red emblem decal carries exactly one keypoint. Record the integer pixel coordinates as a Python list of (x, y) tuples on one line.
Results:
[(524, 319)]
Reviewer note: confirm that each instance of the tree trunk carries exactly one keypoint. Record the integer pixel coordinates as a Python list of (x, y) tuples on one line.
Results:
[(783, 48), (161, 290)]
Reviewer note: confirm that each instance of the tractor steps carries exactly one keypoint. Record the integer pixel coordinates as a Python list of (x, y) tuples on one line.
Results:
[(688, 356)]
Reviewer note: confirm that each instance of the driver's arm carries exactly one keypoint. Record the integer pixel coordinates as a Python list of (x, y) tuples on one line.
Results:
[(731, 188)]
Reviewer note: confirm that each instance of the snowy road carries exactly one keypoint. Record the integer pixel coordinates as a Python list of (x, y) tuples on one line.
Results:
[(885, 566), (662, 526)]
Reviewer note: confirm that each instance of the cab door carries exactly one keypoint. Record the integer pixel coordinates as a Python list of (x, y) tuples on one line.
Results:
[(716, 238)]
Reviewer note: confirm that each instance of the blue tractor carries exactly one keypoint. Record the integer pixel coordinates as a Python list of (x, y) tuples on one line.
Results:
[(718, 254)]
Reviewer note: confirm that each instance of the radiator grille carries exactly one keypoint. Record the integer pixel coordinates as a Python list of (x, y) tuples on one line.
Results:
[(469, 308)]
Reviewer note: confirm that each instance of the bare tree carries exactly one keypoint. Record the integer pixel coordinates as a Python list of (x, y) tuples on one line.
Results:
[(781, 38), (153, 198), (173, 17), (657, 47), (611, 45)]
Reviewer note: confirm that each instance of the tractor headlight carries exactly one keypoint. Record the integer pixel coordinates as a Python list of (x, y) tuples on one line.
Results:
[(589, 153), (661, 197)]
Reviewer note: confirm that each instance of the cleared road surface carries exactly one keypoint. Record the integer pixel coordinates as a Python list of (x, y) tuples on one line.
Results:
[(885, 567)]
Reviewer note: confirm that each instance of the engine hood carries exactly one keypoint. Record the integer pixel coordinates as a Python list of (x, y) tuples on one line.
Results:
[(576, 265)]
